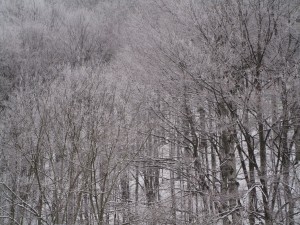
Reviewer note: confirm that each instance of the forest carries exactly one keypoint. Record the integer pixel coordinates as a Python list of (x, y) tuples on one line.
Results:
[(149, 112)]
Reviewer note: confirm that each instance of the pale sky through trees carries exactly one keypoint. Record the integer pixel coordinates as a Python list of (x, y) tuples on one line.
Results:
[(149, 112)]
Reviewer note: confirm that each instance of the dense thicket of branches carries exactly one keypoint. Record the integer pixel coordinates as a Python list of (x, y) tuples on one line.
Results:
[(149, 112)]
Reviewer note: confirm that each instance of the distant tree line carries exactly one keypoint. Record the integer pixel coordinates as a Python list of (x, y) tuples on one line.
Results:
[(149, 112)]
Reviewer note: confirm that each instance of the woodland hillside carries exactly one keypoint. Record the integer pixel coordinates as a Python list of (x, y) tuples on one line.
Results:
[(149, 112)]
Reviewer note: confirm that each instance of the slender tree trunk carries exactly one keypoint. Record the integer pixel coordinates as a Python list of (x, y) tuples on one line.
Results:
[(252, 164), (262, 148), (172, 185), (125, 193), (286, 159)]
